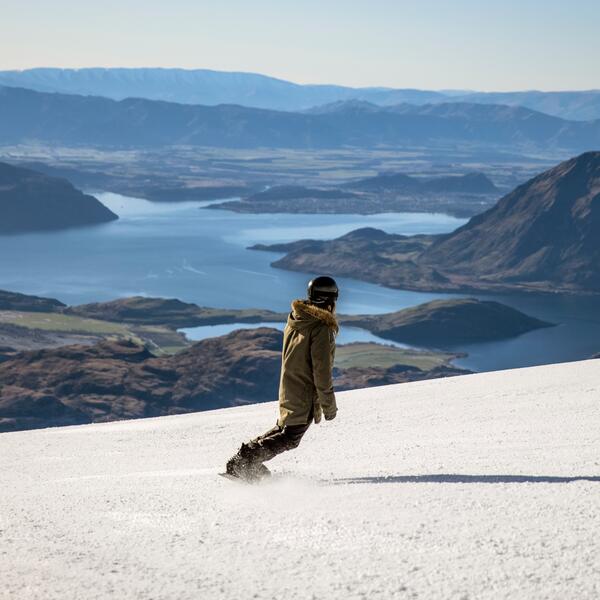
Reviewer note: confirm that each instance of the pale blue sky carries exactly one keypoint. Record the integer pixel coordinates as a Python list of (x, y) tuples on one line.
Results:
[(433, 44)]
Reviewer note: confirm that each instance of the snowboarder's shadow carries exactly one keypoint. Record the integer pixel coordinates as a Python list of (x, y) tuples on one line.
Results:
[(455, 478)]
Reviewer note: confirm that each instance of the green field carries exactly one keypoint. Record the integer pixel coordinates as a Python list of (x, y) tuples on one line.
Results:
[(164, 340), (379, 355), (160, 340), (68, 324), (62, 323)]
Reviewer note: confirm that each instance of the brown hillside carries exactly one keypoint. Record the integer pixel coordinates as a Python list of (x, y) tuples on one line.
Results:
[(547, 230)]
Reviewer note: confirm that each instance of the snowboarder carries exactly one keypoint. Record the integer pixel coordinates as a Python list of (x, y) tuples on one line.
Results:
[(305, 387)]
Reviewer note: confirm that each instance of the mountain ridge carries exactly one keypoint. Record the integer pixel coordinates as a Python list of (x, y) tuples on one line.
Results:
[(133, 122), (198, 86), (546, 229), (209, 86)]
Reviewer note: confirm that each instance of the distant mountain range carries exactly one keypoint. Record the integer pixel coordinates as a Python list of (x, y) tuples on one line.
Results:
[(204, 86), (544, 236), (32, 201), (87, 120)]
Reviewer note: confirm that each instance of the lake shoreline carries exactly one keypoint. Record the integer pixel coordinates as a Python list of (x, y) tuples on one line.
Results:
[(179, 251)]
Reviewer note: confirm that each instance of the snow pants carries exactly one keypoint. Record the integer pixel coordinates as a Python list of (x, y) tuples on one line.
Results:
[(275, 441)]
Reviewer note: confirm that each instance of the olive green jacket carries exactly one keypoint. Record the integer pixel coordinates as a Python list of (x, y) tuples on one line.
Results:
[(306, 386)]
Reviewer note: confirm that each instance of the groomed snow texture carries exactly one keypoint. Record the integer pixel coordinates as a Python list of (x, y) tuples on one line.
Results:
[(483, 486)]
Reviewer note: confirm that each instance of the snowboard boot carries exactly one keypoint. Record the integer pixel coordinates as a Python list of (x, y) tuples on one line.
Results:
[(245, 465)]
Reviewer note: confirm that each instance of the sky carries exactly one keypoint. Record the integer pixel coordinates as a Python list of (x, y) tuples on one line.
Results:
[(431, 44)]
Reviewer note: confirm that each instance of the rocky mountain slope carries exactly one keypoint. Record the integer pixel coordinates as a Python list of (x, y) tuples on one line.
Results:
[(32, 201), (122, 380), (115, 380), (543, 236), (544, 233)]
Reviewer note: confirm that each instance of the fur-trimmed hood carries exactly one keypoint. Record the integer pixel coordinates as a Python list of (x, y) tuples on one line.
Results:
[(304, 312)]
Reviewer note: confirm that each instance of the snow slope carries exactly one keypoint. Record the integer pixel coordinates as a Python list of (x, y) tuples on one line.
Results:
[(483, 486)]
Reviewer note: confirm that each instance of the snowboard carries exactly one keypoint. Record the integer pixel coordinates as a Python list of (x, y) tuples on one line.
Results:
[(232, 477), (244, 481)]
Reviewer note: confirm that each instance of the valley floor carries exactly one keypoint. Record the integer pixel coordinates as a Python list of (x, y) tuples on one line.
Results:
[(481, 486)]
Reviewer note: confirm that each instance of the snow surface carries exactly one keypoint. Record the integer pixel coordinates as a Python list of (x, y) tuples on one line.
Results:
[(482, 486)]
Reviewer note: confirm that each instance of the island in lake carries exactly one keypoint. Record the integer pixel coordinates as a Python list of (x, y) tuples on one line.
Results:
[(459, 195), (544, 236)]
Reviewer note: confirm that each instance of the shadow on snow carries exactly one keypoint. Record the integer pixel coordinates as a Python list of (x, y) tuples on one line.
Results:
[(453, 478)]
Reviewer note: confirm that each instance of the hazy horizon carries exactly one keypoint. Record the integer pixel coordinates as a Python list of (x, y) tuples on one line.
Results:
[(430, 44), (335, 83)]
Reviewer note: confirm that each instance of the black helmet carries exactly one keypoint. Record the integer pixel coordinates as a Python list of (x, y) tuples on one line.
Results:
[(323, 290)]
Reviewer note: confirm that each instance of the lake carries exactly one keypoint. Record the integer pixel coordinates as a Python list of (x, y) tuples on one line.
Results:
[(183, 251), (196, 254)]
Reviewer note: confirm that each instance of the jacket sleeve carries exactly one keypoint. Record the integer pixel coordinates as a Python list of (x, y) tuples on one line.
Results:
[(322, 352)]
